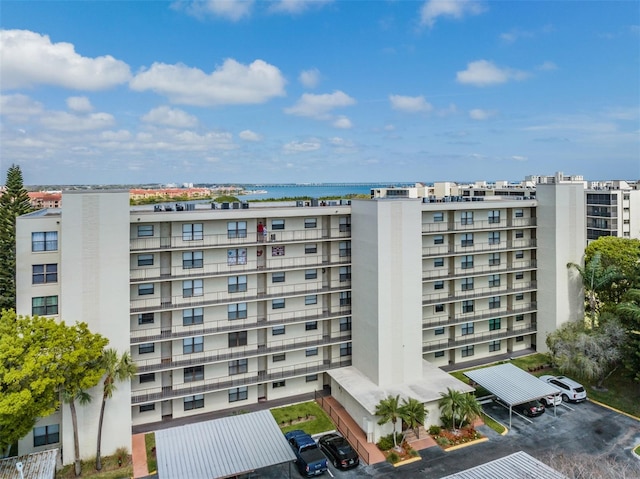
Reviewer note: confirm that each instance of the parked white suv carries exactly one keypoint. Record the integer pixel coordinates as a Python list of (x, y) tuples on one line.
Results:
[(571, 390), (553, 400)]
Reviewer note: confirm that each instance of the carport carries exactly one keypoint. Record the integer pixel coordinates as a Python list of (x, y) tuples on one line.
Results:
[(222, 448), (512, 385)]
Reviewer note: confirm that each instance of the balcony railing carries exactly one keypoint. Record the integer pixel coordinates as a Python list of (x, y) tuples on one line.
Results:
[(149, 335), (502, 267), (447, 297), (238, 352), (478, 247), (479, 315), (478, 338), (227, 382), (503, 224)]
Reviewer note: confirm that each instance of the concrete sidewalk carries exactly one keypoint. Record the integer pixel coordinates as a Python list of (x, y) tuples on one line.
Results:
[(139, 456)]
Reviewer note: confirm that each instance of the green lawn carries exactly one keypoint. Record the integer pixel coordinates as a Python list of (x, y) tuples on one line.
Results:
[(495, 425), (307, 416), (150, 445), (110, 469)]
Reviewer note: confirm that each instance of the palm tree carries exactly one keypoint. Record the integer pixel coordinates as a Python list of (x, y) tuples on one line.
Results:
[(389, 411), (413, 413), (470, 409), (70, 397), (450, 404), (595, 277), (117, 368)]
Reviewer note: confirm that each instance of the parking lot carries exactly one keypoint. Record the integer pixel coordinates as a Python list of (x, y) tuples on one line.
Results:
[(586, 428)]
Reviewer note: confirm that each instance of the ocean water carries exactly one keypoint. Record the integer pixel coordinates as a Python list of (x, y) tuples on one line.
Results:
[(313, 191)]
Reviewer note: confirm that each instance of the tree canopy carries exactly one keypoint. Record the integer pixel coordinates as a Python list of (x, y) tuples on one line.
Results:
[(623, 254), (39, 357), (629, 311)]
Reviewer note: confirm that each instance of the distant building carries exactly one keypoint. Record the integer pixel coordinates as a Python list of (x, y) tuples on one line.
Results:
[(45, 199)]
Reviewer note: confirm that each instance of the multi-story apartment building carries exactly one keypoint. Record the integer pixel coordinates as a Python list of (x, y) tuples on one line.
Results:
[(363, 298), (613, 209)]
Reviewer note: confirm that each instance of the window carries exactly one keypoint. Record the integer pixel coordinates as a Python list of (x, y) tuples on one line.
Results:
[(494, 280), (277, 304), (438, 331), (345, 273), (44, 435), (278, 384), (236, 256), (147, 378), (236, 284), (494, 346), (192, 259), (277, 224), (519, 213), (494, 302), (519, 254), (438, 285), (236, 229), (467, 328), (344, 249), (466, 262), (439, 239), (439, 308), (466, 217), (311, 299), (345, 349), (520, 317), (239, 366), (311, 325), (310, 223), (466, 284), (311, 274), (192, 231), (194, 402), (519, 234), (145, 260), (311, 352), (438, 262), (144, 289), (146, 348), (44, 273), (145, 230), (237, 339), (311, 378), (494, 259), (192, 287), (192, 316), (467, 306), (345, 298), (345, 324), (438, 217), (494, 324), (277, 251), (277, 330), (494, 216), (237, 311), (520, 275), (466, 351), (146, 318), (494, 237), (519, 339), (467, 239), (345, 224), (519, 297), (310, 248), (438, 354), (44, 305), (279, 357), (147, 407), (44, 241), (238, 394), (193, 345)]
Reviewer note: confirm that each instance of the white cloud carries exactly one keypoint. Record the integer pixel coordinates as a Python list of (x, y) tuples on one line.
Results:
[(547, 66), (478, 114), (295, 6), (28, 59), (410, 104), (519, 158), (343, 122), (389, 127), (233, 10), (19, 106), (167, 116), (248, 135), (515, 34), (63, 121), (312, 144), (432, 9), (484, 73), (319, 106), (80, 104), (232, 83), (310, 78)]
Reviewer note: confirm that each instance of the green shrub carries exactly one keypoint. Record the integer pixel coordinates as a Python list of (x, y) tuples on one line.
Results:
[(385, 443), (443, 441), (414, 453), (393, 457), (434, 430)]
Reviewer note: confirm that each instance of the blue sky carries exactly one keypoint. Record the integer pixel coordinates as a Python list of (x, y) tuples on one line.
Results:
[(318, 91)]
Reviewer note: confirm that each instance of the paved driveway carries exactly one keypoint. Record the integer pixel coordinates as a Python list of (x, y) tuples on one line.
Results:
[(587, 429)]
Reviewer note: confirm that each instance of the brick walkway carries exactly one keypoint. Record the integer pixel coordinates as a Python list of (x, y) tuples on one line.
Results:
[(139, 456)]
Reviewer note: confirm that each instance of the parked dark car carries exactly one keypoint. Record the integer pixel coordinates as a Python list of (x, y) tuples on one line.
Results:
[(339, 451), (311, 462), (531, 408)]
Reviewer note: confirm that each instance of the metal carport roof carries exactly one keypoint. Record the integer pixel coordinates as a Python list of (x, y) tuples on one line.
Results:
[(222, 447), (518, 465)]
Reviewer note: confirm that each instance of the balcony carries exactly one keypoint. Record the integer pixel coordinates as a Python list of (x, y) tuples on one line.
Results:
[(503, 224), (238, 352), (478, 338), (227, 382), (479, 270), (440, 298), (480, 315), (477, 247)]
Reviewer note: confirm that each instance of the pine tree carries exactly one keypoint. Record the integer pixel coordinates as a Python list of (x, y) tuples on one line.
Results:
[(13, 203)]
